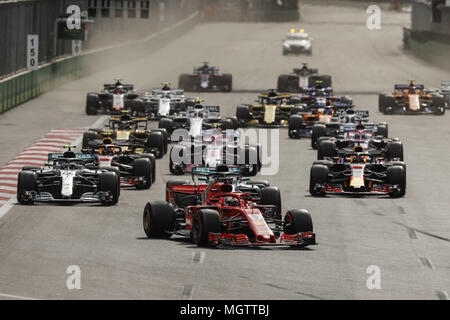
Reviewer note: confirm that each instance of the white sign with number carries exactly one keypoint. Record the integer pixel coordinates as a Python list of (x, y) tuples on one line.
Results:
[(32, 51), (76, 47)]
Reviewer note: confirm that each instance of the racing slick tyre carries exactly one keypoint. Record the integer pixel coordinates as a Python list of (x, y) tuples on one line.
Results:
[(327, 149), (156, 140), (227, 124), (177, 152), (439, 105), (235, 122), (381, 102), (88, 136), (243, 115), (137, 106), (298, 220), (251, 158), (283, 83), (295, 124), (92, 104), (116, 170), (27, 181), (227, 82), (394, 150), (396, 175), (166, 137), (318, 130), (185, 82), (383, 130), (152, 159), (318, 175), (108, 182), (166, 123), (271, 196), (158, 219), (142, 167), (205, 221), (388, 104)]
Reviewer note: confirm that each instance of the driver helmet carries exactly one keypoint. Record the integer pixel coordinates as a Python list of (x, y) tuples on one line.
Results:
[(231, 201)]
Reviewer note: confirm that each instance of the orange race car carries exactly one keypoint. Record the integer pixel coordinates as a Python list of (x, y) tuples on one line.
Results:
[(411, 99)]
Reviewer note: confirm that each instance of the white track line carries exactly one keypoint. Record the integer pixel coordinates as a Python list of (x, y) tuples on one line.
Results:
[(16, 297)]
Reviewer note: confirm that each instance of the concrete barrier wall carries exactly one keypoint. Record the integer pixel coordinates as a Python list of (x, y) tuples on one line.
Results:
[(434, 52), (28, 85)]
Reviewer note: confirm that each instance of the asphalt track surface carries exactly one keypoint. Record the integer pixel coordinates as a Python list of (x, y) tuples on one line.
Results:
[(408, 238)]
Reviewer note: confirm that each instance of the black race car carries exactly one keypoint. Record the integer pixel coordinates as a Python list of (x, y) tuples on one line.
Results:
[(113, 99), (206, 78), (301, 79)]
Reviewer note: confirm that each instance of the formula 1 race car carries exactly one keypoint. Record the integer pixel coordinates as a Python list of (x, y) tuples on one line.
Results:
[(411, 99), (206, 78), (219, 213), (131, 134), (196, 119), (213, 148), (357, 173), (163, 102), (134, 169), (297, 42), (273, 109), (301, 79), (345, 121), (66, 178), (365, 137), (112, 99)]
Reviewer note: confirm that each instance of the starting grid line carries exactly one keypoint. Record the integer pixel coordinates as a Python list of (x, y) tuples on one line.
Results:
[(35, 155)]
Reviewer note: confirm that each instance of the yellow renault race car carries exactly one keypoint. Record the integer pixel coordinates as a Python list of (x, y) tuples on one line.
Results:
[(131, 134), (272, 109)]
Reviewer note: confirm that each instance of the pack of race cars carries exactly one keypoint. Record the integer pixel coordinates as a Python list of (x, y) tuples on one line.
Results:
[(222, 206)]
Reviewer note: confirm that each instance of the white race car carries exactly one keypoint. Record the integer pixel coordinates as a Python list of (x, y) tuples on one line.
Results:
[(297, 42)]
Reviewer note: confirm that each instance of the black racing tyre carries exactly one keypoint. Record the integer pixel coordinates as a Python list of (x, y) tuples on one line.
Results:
[(227, 82), (389, 102), (394, 150), (396, 175), (158, 219), (381, 102), (298, 220), (243, 115), (108, 182), (327, 149), (227, 124), (271, 196), (318, 175), (251, 158), (92, 104), (156, 140), (166, 123), (88, 136), (176, 152), (152, 159), (142, 167), (116, 170), (235, 122), (137, 106), (27, 181), (185, 82), (318, 130), (205, 222), (283, 83), (166, 137), (295, 122), (439, 105), (383, 130)]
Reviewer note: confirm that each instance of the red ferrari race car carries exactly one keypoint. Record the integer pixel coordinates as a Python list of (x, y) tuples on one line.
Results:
[(226, 210)]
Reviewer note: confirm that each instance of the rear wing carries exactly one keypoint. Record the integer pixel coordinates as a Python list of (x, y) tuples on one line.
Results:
[(352, 127), (359, 113), (407, 86), (207, 171), (177, 92), (445, 85)]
